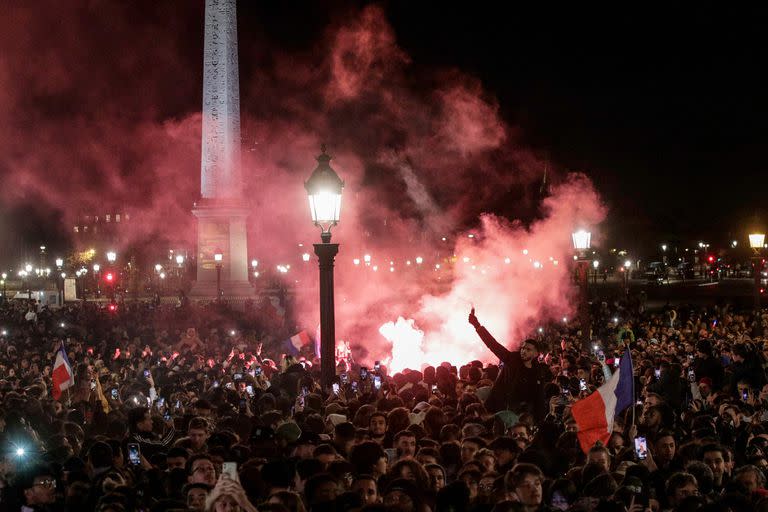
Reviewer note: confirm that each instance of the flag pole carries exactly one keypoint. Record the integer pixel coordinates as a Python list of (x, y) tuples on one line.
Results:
[(634, 391)]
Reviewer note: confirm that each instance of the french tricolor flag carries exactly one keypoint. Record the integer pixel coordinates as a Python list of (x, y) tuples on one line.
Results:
[(295, 343), (594, 414), (63, 376)]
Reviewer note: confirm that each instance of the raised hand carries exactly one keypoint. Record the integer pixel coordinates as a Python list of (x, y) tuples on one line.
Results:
[(473, 319)]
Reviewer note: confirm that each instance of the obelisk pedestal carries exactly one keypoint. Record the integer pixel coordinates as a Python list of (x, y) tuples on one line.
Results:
[(221, 212)]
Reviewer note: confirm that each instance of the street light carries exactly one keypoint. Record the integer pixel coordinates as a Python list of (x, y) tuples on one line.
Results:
[(581, 242), (111, 256), (627, 265), (756, 242), (218, 257), (179, 259), (324, 191), (59, 263)]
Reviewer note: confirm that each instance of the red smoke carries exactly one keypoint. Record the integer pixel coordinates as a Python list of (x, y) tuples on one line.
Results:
[(98, 109)]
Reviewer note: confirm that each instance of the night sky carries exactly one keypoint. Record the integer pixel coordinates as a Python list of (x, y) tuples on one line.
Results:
[(663, 108)]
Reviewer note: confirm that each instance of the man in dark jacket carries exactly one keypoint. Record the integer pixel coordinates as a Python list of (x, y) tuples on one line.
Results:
[(670, 386), (746, 367), (520, 384), (706, 365)]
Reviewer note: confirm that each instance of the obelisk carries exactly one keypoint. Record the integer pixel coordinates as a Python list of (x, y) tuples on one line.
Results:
[(221, 213)]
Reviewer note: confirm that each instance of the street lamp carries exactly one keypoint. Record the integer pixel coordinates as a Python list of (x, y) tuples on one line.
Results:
[(111, 256), (581, 242), (218, 257), (627, 266), (324, 191), (59, 263), (756, 242)]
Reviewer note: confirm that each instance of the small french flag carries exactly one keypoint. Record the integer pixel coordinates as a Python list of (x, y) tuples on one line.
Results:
[(594, 414), (295, 343), (63, 376)]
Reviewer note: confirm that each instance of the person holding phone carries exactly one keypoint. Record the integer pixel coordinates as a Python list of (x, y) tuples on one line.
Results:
[(142, 433), (670, 386), (520, 383)]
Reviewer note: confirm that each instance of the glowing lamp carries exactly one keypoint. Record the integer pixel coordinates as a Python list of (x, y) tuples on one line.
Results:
[(595, 264), (419, 260), (162, 275), (112, 307), (664, 247), (180, 259), (627, 264), (96, 267), (356, 261), (305, 256), (218, 257), (756, 240), (109, 277), (63, 275), (324, 191), (20, 452), (254, 263), (59, 262), (158, 267), (111, 256), (367, 258), (28, 268), (581, 240)]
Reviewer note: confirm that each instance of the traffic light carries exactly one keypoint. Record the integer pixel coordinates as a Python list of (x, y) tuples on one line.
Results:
[(112, 307), (711, 259), (109, 277)]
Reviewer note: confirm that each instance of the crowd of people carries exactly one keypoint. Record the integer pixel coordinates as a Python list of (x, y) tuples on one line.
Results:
[(172, 408)]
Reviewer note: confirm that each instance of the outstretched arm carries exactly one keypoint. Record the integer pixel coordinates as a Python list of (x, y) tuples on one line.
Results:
[(494, 346)]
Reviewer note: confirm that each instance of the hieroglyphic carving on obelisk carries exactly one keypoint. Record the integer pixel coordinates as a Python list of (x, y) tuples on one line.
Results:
[(220, 163), (221, 212)]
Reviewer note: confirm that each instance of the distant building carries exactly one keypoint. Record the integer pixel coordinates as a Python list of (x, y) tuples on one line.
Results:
[(101, 231)]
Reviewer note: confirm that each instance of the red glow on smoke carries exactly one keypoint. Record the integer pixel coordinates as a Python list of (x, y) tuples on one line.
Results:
[(109, 115)]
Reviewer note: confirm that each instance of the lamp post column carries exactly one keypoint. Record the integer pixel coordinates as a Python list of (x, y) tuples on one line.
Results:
[(218, 282), (757, 266), (582, 268), (326, 253)]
